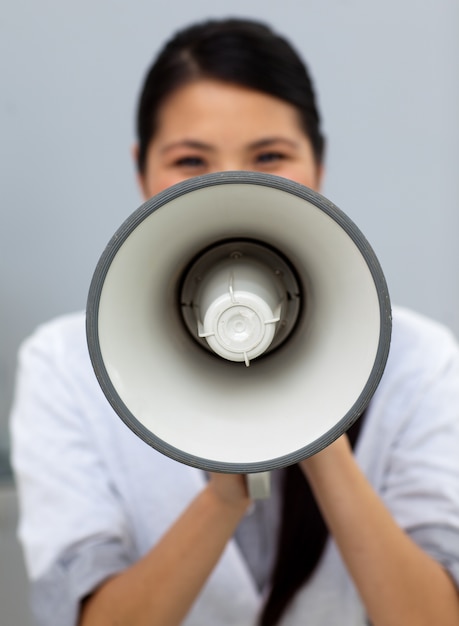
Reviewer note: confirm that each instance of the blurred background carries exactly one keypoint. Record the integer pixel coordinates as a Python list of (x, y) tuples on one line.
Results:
[(387, 76)]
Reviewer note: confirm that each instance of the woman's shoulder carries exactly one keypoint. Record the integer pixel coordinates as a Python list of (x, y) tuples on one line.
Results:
[(57, 345), (416, 325), (64, 330), (415, 410), (421, 379), (419, 342)]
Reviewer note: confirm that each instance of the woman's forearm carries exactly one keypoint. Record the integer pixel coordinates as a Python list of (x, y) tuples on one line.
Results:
[(397, 581), (162, 586)]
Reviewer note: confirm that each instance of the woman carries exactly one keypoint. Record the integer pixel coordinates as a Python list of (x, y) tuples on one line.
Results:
[(116, 533)]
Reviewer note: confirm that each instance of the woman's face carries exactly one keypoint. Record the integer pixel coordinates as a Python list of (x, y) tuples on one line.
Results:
[(211, 126)]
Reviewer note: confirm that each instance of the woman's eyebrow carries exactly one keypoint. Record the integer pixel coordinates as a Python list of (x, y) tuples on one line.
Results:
[(188, 143), (267, 141)]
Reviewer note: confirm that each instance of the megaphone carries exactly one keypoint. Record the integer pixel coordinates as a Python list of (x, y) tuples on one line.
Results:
[(238, 322)]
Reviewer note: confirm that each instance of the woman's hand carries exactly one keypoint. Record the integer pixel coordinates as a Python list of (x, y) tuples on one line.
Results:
[(231, 489)]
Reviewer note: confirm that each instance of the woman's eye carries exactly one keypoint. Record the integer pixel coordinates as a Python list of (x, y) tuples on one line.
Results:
[(270, 157), (190, 161)]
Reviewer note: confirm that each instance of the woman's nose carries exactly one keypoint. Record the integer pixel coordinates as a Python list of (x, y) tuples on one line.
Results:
[(230, 165)]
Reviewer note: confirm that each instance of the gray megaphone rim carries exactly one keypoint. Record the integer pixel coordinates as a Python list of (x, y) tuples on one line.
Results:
[(228, 178)]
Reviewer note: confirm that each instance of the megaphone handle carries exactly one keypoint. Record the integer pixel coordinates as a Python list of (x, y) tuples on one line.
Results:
[(259, 485)]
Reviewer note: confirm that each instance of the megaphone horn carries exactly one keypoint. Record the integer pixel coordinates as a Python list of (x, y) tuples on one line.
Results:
[(238, 322)]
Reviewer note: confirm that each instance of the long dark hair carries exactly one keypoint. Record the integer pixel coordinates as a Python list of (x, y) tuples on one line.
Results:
[(241, 52), (302, 539)]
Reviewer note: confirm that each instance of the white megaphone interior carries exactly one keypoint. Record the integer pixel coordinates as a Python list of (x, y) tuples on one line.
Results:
[(201, 404)]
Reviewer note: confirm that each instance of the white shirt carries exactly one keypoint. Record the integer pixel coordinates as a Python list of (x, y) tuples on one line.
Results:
[(95, 498)]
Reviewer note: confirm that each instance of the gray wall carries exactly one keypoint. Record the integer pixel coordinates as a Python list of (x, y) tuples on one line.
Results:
[(387, 75), (388, 78)]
